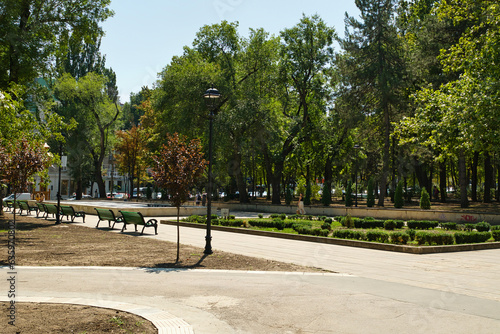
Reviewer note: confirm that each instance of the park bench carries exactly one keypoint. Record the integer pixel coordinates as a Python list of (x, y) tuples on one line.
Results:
[(9, 205), (25, 206), (137, 218), (109, 215), (50, 209), (41, 209), (69, 211)]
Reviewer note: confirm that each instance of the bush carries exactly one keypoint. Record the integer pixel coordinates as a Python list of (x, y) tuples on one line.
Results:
[(347, 221), (288, 195), (398, 196), (389, 225), (326, 226), (274, 215), (471, 237), (425, 201), (483, 227), (434, 238), (328, 220), (422, 224), (261, 215), (496, 234), (411, 233), (230, 222), (282, 216), (372, 223), (399, 238), (469, 227), (348, 234), (378, 236), (449, 226)]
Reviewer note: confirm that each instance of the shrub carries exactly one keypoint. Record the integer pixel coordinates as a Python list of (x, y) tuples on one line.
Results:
[(495, 227), (347, 221), (425, 201), (434, 238), (398, 196), (471, 237), (399, 238), (328, 220), (282, 216), (261, 215), (372, 223), (389, 225), (274, 215), (483, 227), (411, 233), (288, 195), (422, 224), (496, 234), (449, 226), (469, 227), (348, 234), (230, 222), (378, 236), (326, 226), (358, 222)]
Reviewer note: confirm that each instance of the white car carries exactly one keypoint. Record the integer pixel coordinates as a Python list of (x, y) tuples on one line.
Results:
[(20, 197)]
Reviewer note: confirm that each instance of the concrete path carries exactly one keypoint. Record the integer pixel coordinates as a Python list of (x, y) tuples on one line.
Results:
[(371, 291)]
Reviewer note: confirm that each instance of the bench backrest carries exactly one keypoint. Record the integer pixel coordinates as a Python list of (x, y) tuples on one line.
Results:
[(51, 208), (105, 214), (23, 205), (41, 207), (67, 210), (131, 217)]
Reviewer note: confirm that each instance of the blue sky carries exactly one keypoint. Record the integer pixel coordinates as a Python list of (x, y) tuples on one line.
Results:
[(143, 36)]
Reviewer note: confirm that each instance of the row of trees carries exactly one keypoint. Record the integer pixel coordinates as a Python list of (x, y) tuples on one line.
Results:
[(413, 84)]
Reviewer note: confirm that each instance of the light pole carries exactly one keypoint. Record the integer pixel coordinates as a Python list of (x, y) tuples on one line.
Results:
[(58, 213), (211, 96), (356, 147)]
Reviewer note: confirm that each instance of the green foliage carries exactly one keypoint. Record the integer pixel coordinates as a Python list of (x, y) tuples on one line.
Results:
[(326, 196), (377, 236), (347, 221), (448, 226), (282, 216), (421, 224), (483, 227), (399, 238), (389, 225), (425, 201), (260, 215), (370, 199), (348, 234), (398, 196), (471, 237), (431, 238), (411, 233), (496, 234), (288, 196), (307, 198)]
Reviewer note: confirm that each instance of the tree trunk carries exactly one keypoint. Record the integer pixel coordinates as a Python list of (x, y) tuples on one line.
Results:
[(488, 177), (442, 181), (462, 175), (240, 180), (475, 161)]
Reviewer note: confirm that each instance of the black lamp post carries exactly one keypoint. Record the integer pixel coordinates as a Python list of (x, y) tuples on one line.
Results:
[(58, 214), (356, 147), (211, 96)]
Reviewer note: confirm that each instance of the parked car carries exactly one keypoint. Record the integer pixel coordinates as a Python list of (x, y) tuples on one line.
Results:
[(20, 197)]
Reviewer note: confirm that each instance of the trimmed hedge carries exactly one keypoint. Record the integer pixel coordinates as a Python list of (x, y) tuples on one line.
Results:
[(377, 236), (471, 237), (448, 226), (422, 224), (496, 234), (399, 238), (348, 234), (483, 227), (431, 238)]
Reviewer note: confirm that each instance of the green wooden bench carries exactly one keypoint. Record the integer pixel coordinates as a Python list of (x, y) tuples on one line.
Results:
[(136, 218), (25, 206), (109, 215), (9, 205), (69, 211), (50, 209), (41, 209)]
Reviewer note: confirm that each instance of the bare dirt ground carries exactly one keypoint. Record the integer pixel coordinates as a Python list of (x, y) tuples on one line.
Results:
[(40, 242)]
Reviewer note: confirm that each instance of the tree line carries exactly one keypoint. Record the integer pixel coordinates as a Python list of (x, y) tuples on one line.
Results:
[(409, 93)]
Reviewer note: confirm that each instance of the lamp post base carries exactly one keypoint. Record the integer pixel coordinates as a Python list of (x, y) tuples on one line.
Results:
[(208, 246)]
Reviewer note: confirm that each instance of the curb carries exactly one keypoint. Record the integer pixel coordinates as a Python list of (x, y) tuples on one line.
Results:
[(346, 242), (163, 321)]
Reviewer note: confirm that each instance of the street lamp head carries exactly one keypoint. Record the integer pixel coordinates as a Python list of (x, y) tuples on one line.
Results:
[(211, 96)]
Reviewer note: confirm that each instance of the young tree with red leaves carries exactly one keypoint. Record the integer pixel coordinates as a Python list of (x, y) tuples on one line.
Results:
[(177, 167), (20, 161)]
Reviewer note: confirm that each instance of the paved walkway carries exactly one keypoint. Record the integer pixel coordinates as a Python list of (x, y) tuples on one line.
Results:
[(371, 292)]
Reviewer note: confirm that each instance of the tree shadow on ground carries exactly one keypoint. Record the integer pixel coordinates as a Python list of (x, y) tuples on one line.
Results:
[(177, 266)]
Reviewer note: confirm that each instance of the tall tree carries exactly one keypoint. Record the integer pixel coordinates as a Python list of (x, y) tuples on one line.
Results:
[(95, 113), (375, 69), (30, 31)]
